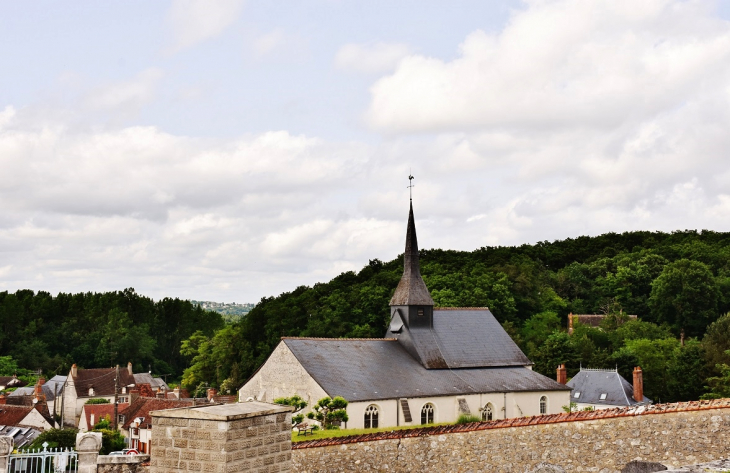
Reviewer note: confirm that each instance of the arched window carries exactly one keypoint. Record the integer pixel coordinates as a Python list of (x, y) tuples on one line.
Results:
[(543, 405), (371, 417), (427, 414), (488, 412)]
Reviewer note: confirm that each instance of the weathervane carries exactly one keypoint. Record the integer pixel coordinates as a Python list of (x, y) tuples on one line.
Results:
[(411, 185)]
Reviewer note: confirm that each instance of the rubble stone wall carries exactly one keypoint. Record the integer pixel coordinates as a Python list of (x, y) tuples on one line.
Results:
[(603, 445)]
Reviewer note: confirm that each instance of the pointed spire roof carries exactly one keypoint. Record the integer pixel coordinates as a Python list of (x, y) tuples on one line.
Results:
[(411, 289)]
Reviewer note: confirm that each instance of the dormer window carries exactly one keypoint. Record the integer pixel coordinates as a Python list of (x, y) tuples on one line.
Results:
[(124, 390), (91, 391), (576, 395), (603, 396)]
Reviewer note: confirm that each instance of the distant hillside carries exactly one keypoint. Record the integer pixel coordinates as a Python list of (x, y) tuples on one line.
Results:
[(230, 312)]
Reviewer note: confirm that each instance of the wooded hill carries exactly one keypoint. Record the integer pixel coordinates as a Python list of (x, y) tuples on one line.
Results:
[(674, 282)]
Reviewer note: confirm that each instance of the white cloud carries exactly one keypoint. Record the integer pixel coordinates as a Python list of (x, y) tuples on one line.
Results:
[(266, 43), (562, 63), (129, 94), (371, 57), (194, 21)]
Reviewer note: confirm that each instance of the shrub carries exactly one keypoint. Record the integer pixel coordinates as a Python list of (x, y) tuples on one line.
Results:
[(97, 400), (467, 419), (56, 438), (111, 441)]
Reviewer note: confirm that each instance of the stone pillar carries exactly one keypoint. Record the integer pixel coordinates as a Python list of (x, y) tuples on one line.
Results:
[(6, 448), (248, 436), (88, 445)]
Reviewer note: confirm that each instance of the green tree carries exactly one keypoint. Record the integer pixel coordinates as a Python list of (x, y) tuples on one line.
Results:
[(716, 343), (653, 356), (56, 438), (686, 373), (557, 349), (537, 329), (330, 412), (685, 296), (297, 403), (719, 386)]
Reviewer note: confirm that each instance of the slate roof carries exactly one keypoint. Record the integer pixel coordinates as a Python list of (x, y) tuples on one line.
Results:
[(29, 391), (155, 383), (373, 369), (11, 382), (101, 379), (465, 338), (22, 436), (592, 383), (411, 289), (142, 406)]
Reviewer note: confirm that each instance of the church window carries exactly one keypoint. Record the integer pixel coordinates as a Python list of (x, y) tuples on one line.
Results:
[(371, 417), (427, 414), (488, 412), (543, 405)]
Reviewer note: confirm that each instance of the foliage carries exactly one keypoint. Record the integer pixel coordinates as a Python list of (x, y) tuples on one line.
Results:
[(56, 438), (297, 403), (467, 419), (111, 441), (572, 407), (105, 423), (719, 386), (41, 331), (97, 400), (330, 412)]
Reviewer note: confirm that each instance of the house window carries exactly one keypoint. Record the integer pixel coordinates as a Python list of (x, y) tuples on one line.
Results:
[(543, 405), (488, 412), (91, 391), (603, 396), (121, 420), (371, 417), (427, 414), (420, 312), (576, 395)]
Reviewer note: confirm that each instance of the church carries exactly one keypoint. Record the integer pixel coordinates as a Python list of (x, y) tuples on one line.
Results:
[(432, 365)]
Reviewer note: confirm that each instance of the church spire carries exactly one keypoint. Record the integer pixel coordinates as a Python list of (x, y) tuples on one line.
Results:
[(411, 289)]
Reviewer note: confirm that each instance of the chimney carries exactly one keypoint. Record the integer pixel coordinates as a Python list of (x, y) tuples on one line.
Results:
[(133, 395), (638, 385), (160, 394), (129, 368), (38, 391), (3, 400), (562, 375), (211, 393), (177, 392), (570, 324), (74, 371)]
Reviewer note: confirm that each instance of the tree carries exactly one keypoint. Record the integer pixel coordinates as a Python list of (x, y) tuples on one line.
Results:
[(686, 372), (557, 349), (685, 296), (716, 342), (56, 438), (297, 403), (719, 386), (330, 412), (654, 356), (537, 329)]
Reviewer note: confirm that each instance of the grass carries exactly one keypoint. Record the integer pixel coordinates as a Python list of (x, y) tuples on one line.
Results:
[(326, 434)]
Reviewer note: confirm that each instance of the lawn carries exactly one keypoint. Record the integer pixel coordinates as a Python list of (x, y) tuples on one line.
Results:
[(325, 434)]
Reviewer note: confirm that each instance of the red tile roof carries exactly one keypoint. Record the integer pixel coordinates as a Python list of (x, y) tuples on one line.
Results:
[(142, 406), (101, 379), (521, 422), (145, 390), (100, 411), (13, 415)]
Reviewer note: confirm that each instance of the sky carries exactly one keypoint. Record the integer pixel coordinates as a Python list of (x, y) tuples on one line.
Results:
[(231, 150)]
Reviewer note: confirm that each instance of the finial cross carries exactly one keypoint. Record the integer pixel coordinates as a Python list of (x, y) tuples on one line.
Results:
[(410, 184)]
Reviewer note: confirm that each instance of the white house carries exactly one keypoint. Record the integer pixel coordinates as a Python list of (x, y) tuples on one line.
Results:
[(84, 384), (433, 365)]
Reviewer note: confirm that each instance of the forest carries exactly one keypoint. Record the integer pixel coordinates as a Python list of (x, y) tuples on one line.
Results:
[(41, 332), (678, 284)]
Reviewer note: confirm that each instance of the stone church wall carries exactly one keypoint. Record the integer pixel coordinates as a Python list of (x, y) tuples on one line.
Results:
[(601, 441)]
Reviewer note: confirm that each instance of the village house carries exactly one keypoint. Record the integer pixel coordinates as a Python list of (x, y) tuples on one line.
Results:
[(85, 384), (24, 416), (92, 414), (137, 425), (433, 365), (7, 382), (30, 395), (604, 388)]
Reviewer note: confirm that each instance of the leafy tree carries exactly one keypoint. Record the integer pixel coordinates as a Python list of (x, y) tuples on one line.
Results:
[(105, 423), (685, 296), (719, 386), (653, 356), (716, 342), (330, 412), (297, 403), (686, 373), (557, 349), (537, 329), (111, 441), (56, 438)]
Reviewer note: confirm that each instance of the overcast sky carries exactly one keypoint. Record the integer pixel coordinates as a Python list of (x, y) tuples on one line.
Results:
[(226, 150)]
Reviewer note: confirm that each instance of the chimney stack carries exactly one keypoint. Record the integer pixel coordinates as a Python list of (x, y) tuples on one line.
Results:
[(211, 393), (3, 400), (129, 368), (160, 394), (177, 392), (562, 375), (38, 391), (133, 395), (638, 385), (74, 371)]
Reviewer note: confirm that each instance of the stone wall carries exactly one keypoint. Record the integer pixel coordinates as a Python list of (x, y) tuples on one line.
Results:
[(248, 436), (123, 464), (602, 441)]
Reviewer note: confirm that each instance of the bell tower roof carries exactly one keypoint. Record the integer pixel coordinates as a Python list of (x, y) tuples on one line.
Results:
[(411, 289)]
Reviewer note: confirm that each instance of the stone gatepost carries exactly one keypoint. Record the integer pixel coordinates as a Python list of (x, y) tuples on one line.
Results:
[(88, 445), (247, 436), (6, 448)]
